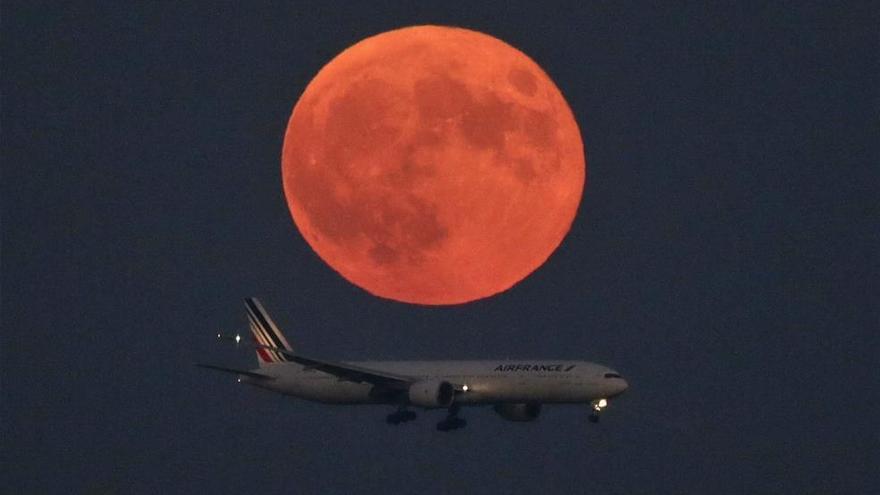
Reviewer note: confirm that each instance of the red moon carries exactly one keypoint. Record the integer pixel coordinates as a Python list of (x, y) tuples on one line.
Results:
[(433, 165)]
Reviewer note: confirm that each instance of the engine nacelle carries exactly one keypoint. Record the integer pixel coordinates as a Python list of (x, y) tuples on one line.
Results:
[(431, 393), (519, 412)]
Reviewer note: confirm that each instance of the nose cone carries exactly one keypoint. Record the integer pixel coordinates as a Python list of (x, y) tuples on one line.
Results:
[(620, 386)]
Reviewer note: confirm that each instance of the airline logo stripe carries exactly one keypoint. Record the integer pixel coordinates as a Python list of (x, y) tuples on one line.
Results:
[(265, 330), (263, 354), (262, 337), (259, 333), (266, 324)]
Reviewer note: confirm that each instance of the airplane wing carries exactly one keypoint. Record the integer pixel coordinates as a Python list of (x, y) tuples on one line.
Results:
[(251, 374), (343, 371), (348, 372)]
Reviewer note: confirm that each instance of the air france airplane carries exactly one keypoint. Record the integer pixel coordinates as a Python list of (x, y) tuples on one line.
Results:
[(516, 389)]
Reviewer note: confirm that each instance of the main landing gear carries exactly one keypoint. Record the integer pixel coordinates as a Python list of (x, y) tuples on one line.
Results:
[(452, 421), (402, 415), (596, 407)]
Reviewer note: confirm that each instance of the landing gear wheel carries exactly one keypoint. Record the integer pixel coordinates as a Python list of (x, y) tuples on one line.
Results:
[(594, 418), (452, 421)]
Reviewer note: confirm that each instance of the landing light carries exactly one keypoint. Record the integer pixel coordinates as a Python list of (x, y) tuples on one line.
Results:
[(464, 388), (237, 338), (603, 403)]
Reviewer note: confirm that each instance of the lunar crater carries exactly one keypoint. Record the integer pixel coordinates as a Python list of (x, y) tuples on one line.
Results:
[(440, 99), (364, 120), (411, 226)]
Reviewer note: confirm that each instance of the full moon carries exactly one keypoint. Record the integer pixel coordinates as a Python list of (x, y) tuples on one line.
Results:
[(433, 165)]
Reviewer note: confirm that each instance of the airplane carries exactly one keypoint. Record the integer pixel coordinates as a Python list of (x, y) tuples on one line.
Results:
[(515, 389)]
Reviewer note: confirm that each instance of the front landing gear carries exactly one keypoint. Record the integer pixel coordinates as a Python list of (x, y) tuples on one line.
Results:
[(596, 407), (400, 416), (452, 421)]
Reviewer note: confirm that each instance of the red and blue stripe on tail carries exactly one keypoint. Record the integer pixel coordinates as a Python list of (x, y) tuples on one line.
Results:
[(266, 333)]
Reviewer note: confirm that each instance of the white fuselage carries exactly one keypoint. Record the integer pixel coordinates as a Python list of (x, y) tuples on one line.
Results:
[(486, 382)]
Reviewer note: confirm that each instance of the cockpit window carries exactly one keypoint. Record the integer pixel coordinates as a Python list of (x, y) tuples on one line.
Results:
[(612, 375)]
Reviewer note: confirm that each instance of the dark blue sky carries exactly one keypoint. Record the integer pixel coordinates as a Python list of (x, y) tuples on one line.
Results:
[(724, 258)]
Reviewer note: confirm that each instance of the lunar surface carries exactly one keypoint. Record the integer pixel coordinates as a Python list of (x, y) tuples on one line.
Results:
[(433, 165)]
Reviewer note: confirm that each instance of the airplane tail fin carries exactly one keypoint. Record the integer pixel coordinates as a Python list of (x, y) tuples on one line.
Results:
[(266, 333)]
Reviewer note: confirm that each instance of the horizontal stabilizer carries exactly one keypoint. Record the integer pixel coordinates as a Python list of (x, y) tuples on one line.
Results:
[(250, 374)]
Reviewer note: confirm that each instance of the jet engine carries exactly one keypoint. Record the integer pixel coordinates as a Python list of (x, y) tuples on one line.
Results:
[(519, 412), (431, 393)]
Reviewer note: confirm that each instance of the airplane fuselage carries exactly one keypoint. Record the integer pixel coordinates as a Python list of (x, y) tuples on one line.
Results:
[(516, 390), (483, 382)]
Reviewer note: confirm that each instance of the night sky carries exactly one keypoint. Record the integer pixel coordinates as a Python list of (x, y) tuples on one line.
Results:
[(724, 257)]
